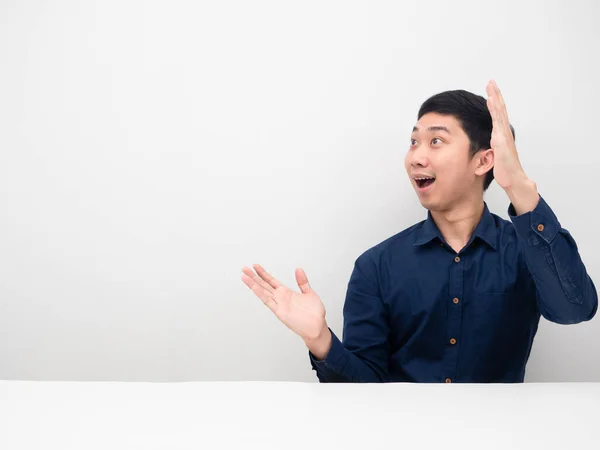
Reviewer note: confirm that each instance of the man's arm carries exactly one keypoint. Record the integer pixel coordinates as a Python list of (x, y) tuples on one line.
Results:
[(565, 292), (363, 357)]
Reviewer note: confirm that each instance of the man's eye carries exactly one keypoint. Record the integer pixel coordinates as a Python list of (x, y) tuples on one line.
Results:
[(413, 142), (436, 139)]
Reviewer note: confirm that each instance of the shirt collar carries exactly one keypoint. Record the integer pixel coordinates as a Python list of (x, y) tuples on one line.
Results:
[(485, 230)]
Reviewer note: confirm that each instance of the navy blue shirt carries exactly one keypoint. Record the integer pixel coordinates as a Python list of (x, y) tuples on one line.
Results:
[(417, 311)]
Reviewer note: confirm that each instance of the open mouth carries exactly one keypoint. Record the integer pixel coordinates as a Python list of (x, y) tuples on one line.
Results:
[(423, 182)]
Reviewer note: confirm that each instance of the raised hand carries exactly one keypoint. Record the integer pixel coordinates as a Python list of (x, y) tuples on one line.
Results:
[(508, 172), (302, 312), (507, 167)]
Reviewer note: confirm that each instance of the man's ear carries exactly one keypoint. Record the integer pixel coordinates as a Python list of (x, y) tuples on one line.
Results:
[(484, 161)]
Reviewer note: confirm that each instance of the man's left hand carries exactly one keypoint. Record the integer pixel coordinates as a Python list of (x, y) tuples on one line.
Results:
[(507, 167), (508, 172)]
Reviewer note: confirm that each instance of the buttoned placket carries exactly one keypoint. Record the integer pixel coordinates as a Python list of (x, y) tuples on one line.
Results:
[(454, 316)]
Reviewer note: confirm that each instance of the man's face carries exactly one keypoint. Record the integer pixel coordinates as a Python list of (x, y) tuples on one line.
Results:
[(438, 163)]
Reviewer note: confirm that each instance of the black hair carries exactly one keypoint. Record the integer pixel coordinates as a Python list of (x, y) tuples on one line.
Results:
[(472, 113)]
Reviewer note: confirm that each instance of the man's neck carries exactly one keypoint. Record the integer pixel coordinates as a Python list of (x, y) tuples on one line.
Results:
[(458, 223)]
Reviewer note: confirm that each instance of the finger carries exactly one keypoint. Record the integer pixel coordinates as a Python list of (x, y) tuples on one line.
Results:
[(495, 105), (260, 292), (266, 276), (302, 281), (489, 89), (248, 271), (265, 296), (491, 92), (499, 119), (501, 105), (491, 104), (499, 95)]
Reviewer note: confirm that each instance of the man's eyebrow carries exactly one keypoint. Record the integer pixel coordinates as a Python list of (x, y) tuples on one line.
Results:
[(434, 128)]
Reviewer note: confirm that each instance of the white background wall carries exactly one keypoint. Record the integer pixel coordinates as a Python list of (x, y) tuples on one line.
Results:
[(149, 150)]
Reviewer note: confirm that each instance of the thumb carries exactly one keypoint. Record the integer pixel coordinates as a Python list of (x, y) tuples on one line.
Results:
[(302, 281)]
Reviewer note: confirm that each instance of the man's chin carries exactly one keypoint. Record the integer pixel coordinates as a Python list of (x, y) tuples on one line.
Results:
[(426, 203), (430, 204)]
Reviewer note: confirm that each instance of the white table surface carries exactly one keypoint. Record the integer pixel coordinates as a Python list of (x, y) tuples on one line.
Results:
[(281, 415)]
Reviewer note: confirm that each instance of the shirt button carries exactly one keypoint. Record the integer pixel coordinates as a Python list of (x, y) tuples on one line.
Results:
[(453, 341), (448, 380), (541, 227), (457, 259), (455, 300)]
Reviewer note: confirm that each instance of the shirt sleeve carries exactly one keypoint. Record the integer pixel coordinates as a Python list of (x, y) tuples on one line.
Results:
[(364, 354), (565, 292)]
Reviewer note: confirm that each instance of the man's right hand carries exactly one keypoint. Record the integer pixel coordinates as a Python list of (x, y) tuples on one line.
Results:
[(302, 312)]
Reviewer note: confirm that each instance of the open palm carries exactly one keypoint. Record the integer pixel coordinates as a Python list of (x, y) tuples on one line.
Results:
[(302, 312)]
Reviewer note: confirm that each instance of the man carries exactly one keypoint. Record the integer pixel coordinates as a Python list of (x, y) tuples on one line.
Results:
[(457, 297)]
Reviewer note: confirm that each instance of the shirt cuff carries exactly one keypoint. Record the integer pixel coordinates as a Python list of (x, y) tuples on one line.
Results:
[(541, 222), (335, 360)]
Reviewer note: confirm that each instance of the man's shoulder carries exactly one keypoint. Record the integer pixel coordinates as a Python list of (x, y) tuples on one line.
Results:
[(403, 239), (504, 226)]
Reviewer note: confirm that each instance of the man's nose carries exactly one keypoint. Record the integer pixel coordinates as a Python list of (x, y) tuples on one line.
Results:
[(418, 157)]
